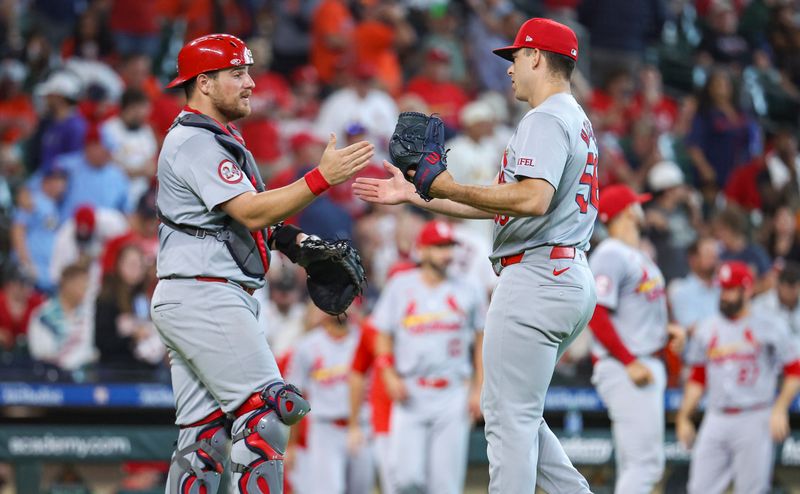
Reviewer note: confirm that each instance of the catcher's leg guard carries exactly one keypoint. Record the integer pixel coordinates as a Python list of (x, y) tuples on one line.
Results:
[(197, 467), (260, 436)]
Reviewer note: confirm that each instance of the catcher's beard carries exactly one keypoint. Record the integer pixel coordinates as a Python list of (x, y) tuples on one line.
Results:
[(231, 107)]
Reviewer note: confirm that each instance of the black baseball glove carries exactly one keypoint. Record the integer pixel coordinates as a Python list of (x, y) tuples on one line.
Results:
[(418, 144), (335, 274)]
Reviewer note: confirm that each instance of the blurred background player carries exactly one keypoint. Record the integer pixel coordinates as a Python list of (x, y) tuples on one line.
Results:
[(428, 322), (320, 365), (737, 356), (630, 329)]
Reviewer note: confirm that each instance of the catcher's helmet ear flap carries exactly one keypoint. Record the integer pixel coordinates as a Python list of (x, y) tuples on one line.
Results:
[(209, 53)]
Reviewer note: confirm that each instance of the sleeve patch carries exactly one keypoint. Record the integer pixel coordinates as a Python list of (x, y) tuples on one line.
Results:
[(229, 172)]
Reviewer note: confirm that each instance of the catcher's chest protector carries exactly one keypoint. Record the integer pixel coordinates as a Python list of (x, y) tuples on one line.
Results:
[(251, 258)]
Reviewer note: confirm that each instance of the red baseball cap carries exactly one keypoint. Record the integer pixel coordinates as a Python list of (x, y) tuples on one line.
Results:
[(614, 199), (544, 34), (85, 219), (735, 274), (436, 232)]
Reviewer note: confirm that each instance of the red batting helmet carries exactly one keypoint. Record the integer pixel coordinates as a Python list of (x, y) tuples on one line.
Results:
[(208, 53)]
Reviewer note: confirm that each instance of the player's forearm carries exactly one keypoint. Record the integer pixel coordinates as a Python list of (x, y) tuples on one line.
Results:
[(357, 386), (692, 393), (451, 208), (258, 210), (511, 199), (789, 389)]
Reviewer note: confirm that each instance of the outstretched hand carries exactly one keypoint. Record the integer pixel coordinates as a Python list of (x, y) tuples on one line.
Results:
[(338, 165), (393, 190)]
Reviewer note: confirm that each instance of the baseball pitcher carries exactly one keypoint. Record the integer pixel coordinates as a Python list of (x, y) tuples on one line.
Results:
[(544, 206)]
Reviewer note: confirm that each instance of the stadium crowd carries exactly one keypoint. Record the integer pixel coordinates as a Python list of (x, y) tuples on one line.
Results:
[(694, 101)]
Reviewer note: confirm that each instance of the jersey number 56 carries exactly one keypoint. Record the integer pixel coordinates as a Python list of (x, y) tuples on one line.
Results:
[(589, 178)]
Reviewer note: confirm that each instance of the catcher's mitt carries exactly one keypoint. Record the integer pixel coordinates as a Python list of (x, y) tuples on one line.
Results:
[(418, 144), (335, 274)]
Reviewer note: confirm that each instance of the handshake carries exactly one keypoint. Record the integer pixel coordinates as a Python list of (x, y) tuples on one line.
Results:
[(417, 150)]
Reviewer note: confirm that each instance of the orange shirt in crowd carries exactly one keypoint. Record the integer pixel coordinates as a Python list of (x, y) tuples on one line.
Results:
[(331, 36), (17, 118), (374, 44)]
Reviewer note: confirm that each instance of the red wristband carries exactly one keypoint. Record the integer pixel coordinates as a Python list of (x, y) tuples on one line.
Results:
[(316, 182), (384, 361)]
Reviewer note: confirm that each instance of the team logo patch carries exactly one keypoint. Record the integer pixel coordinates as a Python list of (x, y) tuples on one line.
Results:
[(229, 172), (528, 38), (525, 162), (236, 61), (574, 52), (248, 56)]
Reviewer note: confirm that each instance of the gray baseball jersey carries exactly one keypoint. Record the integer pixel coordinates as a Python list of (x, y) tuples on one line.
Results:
[(432, 326), (320, 366), (547, 145), (631, 286), (743, 358), (196, 175)]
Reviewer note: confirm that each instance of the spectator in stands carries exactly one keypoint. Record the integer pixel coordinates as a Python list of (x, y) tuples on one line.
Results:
[(135, 71), (132, 142), (17, 115), (306, 90), (443, 32), (696, 296), (91, 39), (383, 32), (489, 25), (291, 40), (611, 103), (59, 332), (784, 38), (39, 58), (18, 300), (332, 27), (619, 32), (360, 101), (731, 228), (37, 218), (782, 241), (124, 334), (650, 101), (62, 129), (722, 42), (143, 231), (436, 87), (641, 152), (670, 218), (769, 180), (94, 179), (81, 238), (783, 300), (722, 136), (135, 26), (285, 311), (476, 156)]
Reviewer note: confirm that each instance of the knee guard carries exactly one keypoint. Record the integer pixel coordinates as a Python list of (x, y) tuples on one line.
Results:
[(266, 436), (197, 468)]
